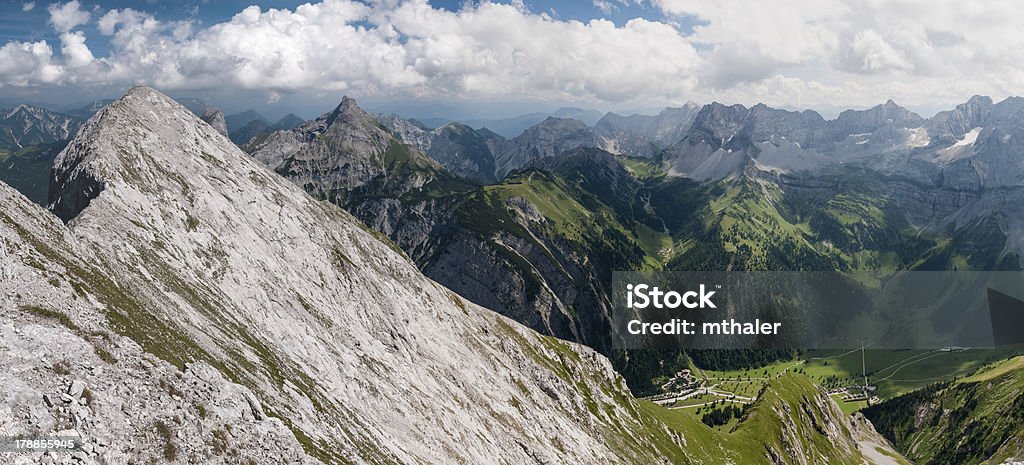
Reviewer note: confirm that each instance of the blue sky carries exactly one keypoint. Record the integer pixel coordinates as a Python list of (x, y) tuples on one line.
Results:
[(506, 56), (17, 24)]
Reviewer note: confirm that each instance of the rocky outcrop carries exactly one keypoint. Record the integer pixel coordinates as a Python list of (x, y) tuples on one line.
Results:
[(74, 186), (947, 127), (408, 131), (214, 117)]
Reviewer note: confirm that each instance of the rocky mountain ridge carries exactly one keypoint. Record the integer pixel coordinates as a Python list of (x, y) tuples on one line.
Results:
[(645, 136), (68, 372), (438, 220), (372, 377), (26, 125)]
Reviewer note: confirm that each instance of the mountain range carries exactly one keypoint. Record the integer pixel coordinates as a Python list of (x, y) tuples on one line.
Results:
[(238, 266), (179, 302), (744, 188), (30, 139), (26, 125)]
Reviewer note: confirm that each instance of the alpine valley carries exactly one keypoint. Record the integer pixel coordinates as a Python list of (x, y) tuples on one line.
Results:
[(183, 286)]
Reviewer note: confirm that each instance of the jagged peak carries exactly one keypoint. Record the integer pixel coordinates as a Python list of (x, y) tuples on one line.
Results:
[(719, 106), (980, 99), (348, 105), (15, 110), (30, 110), (348, 111), (888, 110), (889, 106), (716, 112)]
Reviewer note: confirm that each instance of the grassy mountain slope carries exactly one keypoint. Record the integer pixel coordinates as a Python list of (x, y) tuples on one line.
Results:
[(791, 422), (979, 418), (760, 223)]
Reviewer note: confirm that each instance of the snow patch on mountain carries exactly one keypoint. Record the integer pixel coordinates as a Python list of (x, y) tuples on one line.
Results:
[(969, 139)]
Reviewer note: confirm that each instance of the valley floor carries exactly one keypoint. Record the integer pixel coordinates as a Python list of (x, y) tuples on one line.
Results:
[(891, 373)]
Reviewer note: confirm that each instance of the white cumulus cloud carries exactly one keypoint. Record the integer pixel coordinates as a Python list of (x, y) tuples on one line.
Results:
[(789, 52), (405, 48), (74, 50), (930, 50), (869, 52), (67, 16), (28, 63)]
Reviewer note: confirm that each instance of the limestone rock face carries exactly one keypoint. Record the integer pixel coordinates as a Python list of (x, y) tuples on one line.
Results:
[(215, 117), (189, 262), (645, 136), (340, 151), (67, 372)]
